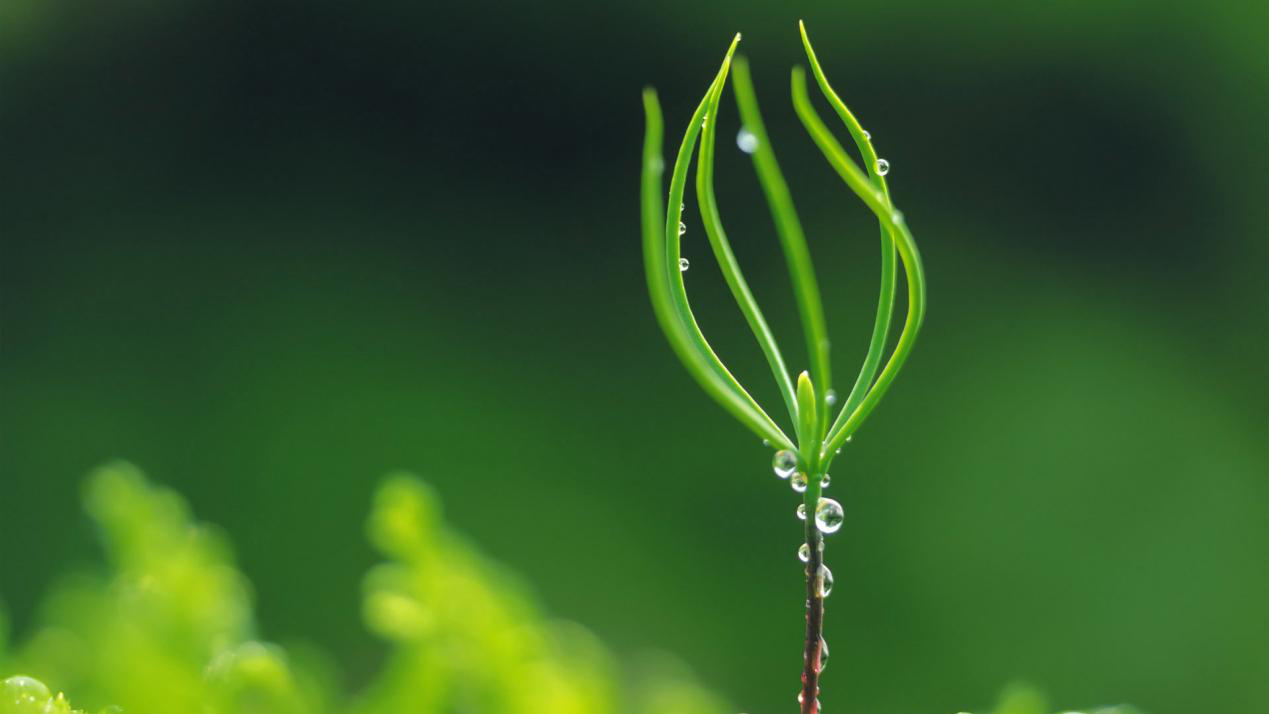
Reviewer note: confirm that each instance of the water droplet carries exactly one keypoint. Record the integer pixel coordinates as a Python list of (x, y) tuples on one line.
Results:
[(656, 163), (682, 228), (801, 511), (704, 120), (823, 653), (883, 167), (682, 206), (824, 581), (897, 216), (746, 140), (798, 481), (24, 690), (817, 702), (828, 515), (804, 552), (824, 482), (867, 135), (830, 397), (683, 265), (766, 442), (784, 463)]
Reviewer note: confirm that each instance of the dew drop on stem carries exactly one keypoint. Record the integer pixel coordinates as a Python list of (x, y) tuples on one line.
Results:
[(824, 581), (801, 511), (683, 265), (883, 167), (828, 516), (746, 140), (798, 481)]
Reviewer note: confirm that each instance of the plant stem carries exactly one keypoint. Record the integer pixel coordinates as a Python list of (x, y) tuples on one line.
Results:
[(814, 604)]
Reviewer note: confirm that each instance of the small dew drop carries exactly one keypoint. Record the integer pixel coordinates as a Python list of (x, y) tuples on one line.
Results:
[(883, 167), (804, 552), (798, 481), (766, 442), (704, 121), (830, 397), (656, 163), (897, 216), (682, 206), (683, 265), (823, 653), (784, 463), (817, 702), (828, 515), (867, 135), (682, 228), (746, 140), (824, 482), (801, 511), (824, 581)]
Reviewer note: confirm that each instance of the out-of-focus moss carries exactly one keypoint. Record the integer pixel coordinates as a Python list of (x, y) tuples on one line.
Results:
[(170, 627)]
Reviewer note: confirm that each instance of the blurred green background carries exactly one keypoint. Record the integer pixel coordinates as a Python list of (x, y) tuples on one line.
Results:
[(271, 250)]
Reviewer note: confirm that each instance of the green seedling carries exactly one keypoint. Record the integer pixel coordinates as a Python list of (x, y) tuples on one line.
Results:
[(818, 437)]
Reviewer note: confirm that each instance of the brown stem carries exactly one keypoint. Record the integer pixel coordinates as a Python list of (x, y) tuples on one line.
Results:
[(814, 620)]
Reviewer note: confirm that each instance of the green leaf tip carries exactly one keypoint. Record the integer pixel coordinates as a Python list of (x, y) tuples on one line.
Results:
[(808, 402)]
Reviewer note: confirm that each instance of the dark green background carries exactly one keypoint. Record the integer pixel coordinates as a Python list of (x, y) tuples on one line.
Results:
[(271, 250)]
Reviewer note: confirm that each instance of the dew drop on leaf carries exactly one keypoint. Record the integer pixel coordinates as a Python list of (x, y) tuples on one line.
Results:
[(746, 140), (883, 167), (830, 397), (801, 511), (784, 463), (24, 690), (682, 228), (824, 482), (683, 265)]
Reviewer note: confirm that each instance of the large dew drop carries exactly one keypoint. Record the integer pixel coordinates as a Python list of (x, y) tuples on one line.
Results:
[(828, 515), (883, 167), (798, 481), (682, 228), (801, 511), (784, 463), (684, 265), (746, 140), (824, 482), (23, 691), (824, 581)]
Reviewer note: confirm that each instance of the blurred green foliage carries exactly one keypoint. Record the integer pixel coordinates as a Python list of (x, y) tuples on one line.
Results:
[(170, 627)]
